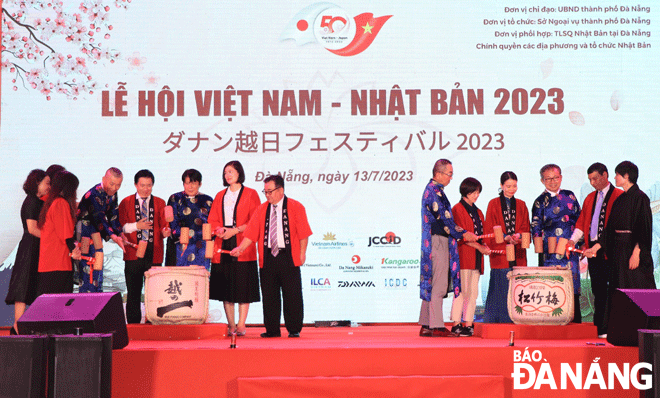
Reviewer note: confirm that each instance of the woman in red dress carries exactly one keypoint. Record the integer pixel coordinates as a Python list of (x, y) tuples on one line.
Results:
[(512, 215), (56, 223)]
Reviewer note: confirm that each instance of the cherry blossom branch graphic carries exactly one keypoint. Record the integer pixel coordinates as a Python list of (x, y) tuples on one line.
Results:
[(52, 48)]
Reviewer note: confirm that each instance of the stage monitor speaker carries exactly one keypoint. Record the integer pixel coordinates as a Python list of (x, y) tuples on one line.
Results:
[(64, 313), (80, 366), (23, 362), (631, 310), (649, 352)]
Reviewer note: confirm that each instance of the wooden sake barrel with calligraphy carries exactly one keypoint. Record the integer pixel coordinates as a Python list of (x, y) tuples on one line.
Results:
[(540, 295), (177, 295)]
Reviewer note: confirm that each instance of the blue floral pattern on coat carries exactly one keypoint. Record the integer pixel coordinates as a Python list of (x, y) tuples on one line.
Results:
[(437, 209)]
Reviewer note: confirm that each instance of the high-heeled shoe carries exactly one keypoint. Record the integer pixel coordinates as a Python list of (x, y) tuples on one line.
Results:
[(240, 332)]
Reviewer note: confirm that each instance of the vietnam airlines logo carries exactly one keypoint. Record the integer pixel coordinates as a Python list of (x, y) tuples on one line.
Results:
[(334, 29)]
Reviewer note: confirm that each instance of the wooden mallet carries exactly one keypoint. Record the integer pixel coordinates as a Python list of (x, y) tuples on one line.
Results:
[(141, 248), (207, 233), (84, 245), (97, 240), (184, 239), (510, 252), (498, 234), (169, 213), (209, 248)]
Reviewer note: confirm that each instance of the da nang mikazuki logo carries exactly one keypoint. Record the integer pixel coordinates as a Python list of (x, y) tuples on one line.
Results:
[(330, 26)]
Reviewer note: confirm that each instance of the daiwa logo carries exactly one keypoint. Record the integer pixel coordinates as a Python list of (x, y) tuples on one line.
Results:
[(333, 28), (356, 284)]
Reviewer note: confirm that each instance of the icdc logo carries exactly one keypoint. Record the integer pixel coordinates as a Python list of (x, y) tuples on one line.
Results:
[(396, 282), (332, 27)]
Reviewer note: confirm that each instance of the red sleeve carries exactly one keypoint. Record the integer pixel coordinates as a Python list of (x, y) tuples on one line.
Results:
[(159, 208), (61, 216), (583, 222), (215, 214), (459, 213), (123, 212), (491, 220), (255, 202), (252, 231), (303, 229), (523, 216)]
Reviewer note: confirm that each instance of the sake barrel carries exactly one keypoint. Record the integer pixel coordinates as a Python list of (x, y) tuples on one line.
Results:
[(540, 295), (176, 295)]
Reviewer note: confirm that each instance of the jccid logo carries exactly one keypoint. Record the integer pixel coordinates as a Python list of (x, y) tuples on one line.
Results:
[(390, 238)]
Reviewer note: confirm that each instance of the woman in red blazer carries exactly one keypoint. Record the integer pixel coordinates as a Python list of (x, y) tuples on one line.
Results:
[(234, 280), (471, 254), (512, 215), (56, 222)]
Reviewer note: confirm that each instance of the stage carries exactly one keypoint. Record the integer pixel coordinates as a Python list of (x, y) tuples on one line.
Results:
[(379, 360)]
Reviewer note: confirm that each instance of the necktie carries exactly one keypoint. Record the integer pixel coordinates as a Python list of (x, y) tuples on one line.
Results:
[(593, 233), (274, 247), (144, 212)]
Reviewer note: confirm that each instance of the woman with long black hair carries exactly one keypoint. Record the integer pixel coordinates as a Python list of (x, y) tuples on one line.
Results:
[(56, 222)]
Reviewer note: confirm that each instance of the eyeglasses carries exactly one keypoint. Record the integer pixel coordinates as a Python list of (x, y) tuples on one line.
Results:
[(271, 191), (450, 175), (553, 179)]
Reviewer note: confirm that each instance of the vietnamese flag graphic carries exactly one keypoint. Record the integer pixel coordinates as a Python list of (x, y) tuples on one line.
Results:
[(367, 27)]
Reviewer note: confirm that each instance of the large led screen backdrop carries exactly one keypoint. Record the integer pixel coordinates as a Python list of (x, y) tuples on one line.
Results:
[(351, 101)]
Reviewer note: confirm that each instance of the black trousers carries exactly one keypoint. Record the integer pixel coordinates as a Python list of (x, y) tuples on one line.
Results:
[(134, 272), (279, 274), (599, 274)]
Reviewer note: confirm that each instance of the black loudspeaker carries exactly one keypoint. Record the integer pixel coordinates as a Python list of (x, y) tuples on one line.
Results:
[(64, 313), (23, 366), (631, 310), (80, 366), (649, 352)]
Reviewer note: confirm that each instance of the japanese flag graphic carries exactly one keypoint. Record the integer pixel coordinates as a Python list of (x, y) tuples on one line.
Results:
[(334, 29)]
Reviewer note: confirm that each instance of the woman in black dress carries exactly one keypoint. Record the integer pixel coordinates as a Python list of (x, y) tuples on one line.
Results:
[(23, 282)]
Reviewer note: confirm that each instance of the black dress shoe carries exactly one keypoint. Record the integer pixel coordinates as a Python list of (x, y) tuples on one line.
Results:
[(266, 334), (425, 332), (13, 332), (294, 334)]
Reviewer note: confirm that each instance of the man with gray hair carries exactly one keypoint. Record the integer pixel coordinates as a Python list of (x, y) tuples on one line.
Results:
[(554, 215), (439, 258), (98, 212)]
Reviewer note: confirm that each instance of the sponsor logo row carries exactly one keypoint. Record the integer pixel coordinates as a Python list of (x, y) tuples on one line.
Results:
[(356, 264), (387, 283)]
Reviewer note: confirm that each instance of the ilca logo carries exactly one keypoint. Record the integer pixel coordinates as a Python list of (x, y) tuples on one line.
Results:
[(333, 28), (320, 283)]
